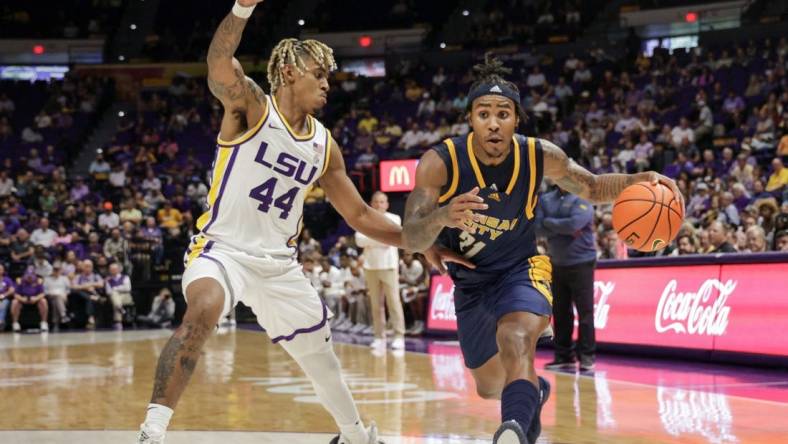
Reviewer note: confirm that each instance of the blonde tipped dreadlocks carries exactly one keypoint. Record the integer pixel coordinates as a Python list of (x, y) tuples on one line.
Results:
[(292, 52)]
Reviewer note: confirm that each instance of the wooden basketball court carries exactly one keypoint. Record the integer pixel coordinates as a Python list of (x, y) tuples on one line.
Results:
[(93, 388)]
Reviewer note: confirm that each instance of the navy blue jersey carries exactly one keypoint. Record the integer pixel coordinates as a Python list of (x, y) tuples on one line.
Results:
[(505, 239)]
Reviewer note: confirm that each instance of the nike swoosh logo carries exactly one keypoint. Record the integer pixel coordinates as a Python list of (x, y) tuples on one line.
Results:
[(273, 127), (328, 338)]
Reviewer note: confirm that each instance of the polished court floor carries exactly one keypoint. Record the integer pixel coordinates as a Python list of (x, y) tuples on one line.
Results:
[(93, 387)]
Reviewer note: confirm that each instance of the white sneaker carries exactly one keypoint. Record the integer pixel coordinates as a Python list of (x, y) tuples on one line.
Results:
[(44, 327), (150, 435), (378, 343), (398, 344), (16, 327), (372, 433)]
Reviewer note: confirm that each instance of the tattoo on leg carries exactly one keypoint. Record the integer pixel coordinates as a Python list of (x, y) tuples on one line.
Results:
[(183, 348)]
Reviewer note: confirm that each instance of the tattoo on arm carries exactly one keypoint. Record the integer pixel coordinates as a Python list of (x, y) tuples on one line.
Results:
[(570, 176), (422, 221), (226, 79)]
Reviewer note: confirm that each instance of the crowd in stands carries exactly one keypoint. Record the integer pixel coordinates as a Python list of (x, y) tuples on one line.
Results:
[(20, 19)]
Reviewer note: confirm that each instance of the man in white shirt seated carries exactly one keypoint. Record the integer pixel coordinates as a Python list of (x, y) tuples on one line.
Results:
[(118, 288), (413, 280), (56, 288), (43, 235), (381, 263), (332, 290), (681, 132)]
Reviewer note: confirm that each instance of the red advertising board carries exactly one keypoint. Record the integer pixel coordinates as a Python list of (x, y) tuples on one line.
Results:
[(398, 175), (729, 307)]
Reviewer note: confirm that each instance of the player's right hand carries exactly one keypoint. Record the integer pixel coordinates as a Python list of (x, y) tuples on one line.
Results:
[(460, 210), (248, 3)]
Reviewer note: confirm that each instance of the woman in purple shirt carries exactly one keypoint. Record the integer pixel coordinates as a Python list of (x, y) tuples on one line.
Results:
[(6, 295)]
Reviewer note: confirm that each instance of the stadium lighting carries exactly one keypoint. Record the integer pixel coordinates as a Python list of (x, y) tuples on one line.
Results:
[(121, 114), (365, 41), (691, 17), (38, 49), (301, 22), (121, 58), (466, 13), (443, 45), (133, 27)]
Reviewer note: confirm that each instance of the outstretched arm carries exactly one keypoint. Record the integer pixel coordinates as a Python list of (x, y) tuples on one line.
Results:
[(243, 99), (424, 220), (345, 198), (602, 188)]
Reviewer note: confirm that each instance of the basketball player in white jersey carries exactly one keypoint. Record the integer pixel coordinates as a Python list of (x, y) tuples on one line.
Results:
[(270, 150)]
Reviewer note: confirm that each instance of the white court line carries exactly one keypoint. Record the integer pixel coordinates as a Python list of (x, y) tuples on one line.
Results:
[(31, 340)]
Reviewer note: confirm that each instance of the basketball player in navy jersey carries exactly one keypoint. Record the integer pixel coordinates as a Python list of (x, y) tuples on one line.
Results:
[(476, 195)]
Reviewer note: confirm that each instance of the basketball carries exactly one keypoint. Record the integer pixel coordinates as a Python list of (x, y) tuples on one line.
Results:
[(647, 216)]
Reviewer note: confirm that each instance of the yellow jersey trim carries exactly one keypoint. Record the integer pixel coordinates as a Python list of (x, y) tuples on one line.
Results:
[(474, 164), (310, 125), (516, 171), (530, 205), (329, 141), (248, 134), (219, 170), (455, 172)]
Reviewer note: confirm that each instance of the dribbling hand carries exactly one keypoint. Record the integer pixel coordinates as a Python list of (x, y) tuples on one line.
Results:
[(654, 178), (459, 213)]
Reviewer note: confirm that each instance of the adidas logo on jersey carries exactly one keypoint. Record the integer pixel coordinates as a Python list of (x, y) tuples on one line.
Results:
[(496, 89), (495, 197)]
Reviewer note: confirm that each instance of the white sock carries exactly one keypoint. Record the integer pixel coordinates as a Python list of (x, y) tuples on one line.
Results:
[(332, 390), (158, 416)]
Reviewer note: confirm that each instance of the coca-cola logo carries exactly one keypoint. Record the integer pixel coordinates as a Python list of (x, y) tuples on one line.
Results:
[(694, 313), (602, 291), (443, 304)]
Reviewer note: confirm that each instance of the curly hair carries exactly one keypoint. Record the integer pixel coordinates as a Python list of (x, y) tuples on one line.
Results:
[(293, 52)]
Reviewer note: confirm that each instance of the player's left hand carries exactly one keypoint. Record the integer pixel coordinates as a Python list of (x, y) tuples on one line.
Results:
[(437, 255), (654, 178)]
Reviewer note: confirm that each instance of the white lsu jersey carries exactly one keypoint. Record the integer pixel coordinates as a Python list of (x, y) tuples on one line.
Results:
[(258, 185)]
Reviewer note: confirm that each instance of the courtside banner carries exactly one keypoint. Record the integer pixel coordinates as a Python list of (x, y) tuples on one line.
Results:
[(398, 175), (722, 307)]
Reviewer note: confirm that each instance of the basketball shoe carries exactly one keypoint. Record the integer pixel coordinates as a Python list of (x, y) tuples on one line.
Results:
[(372, 433), (150, 435), (536, 422), (509, 432)]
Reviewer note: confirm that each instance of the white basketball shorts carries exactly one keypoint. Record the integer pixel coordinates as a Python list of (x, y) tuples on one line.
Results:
[(281, 297)]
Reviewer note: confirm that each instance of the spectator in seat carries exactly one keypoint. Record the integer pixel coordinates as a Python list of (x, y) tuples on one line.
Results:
[(6, 184), (56, 288), (729, 214), (169, 217), (308, 244), (413, 280), (118, 289), (686, 245), (7, 289), (781, 241), (779, 177), (43, 235), (22, 251), (162, 311), (29, 291), (108, 219), (99, 169), (87, 286), (756, 240), (718, 238), (41, 265), (117, 248), (682, 134)]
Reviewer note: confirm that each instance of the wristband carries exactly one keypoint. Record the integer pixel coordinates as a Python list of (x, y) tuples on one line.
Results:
[(242, 11)]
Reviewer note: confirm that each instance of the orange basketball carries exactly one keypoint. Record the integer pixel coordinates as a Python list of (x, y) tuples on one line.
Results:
[(647, 217)]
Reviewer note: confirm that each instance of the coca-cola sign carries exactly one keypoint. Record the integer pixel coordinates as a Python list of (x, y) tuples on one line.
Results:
[(731, 308), (702, 312), (441, 315)]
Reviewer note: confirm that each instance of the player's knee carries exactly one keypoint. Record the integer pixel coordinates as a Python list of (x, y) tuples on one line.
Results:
[(514, 342), (488, 392), (205, 301)]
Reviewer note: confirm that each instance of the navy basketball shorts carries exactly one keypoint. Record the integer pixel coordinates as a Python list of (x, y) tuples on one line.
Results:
[(526, 289)]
